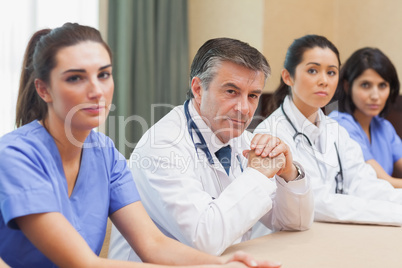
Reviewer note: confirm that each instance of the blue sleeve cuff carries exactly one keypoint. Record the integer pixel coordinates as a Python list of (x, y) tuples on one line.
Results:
[(29, 202)]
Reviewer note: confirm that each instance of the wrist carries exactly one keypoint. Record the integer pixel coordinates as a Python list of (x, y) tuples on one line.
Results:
[(296, 173)]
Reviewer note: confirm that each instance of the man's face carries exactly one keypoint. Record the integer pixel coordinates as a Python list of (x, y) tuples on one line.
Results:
[(228, 105)]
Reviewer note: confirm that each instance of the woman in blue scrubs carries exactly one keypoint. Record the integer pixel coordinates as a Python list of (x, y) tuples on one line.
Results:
[(368, 86), (60, 180)]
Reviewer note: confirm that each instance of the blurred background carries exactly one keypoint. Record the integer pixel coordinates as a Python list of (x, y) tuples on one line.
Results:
[(154, 41)]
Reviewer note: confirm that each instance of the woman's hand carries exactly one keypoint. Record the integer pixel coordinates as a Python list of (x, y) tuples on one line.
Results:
[(249, 261)]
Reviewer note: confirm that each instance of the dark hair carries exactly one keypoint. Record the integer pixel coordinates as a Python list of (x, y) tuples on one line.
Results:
[(293, 58), (215, 51), (40, 59), (358, 62)]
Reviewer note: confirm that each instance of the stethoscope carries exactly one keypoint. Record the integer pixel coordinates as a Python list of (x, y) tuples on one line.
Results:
[(202, 145), (339, 175)]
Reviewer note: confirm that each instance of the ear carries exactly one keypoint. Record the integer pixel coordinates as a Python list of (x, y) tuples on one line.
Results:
[(287, 78), (42, 90), (196, 88)]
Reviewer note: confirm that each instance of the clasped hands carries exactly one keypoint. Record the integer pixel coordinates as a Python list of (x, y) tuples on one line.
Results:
[(270, 156)]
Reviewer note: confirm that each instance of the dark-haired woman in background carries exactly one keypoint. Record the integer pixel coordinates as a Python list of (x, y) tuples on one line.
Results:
[(368, 86), (60, 180), (346, 188)]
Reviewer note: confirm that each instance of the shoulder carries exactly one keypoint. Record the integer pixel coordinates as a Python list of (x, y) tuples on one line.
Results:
[(169, 131), (271, 122), (99, 146), (344, 119), (31, 139), (383, 123)]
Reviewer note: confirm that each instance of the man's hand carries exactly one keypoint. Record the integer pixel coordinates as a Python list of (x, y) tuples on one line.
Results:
[(266, 165), (265, 145)]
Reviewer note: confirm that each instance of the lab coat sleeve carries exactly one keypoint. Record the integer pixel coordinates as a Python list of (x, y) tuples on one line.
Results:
[(367, 200), (293, 208), (174, 196), (293, 202)]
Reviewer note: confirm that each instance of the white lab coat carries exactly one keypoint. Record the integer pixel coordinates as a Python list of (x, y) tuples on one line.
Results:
[(199, 204), (366, 199)]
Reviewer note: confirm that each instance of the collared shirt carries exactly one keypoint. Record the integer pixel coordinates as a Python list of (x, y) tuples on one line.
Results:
[(385, 146)]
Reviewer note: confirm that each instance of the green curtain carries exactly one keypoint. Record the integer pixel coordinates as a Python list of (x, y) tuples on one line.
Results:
[(149, 40)]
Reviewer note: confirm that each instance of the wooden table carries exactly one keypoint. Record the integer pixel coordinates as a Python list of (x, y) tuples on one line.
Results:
[(328, 245)]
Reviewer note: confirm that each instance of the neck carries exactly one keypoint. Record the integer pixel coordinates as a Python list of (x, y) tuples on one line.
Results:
[(364, 122), (311, 113), (68, 143)]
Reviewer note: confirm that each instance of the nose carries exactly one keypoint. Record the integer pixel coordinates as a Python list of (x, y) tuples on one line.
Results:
[(94, 90), (374, 93), (323, 80), (242, 105)]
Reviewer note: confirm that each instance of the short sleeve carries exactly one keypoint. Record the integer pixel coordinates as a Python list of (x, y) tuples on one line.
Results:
[(355, 132), (396, 143), (123, 190), (25, 185)]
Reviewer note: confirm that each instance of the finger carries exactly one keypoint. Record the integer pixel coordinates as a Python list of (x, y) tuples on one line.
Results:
[(245, 258), (246, 153), (270, 146), (279, 149), (265, 144), (269, 264), (255, 140)]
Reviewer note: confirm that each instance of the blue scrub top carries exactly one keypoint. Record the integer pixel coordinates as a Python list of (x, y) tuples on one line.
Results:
[(385, 146), (32, 181)]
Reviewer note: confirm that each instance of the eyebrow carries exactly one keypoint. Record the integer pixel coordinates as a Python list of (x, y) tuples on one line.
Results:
[(83, 70), (256, 91), (318, 64)]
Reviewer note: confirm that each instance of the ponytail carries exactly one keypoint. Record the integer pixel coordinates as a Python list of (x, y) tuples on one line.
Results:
[(278, 97), (29, 105)]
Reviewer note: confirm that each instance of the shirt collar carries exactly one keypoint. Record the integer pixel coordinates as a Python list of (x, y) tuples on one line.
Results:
[(302, 124), (213, 142)]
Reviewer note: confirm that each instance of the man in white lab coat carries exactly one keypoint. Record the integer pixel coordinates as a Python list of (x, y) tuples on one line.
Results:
[(192, 192)]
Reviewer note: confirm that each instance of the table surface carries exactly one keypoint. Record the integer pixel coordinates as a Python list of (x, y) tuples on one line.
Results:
[(328, 245)]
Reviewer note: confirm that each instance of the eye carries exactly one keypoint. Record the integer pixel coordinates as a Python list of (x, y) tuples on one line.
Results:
[(253, 96), (365, 85), (332, 73), (73, 78), (104, 75), (312, 71), (231, 91), (383, 85)]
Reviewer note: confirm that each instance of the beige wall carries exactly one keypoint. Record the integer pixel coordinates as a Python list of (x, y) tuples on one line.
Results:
[(371, 23), (271, 25), (285, 20), (240, 19)]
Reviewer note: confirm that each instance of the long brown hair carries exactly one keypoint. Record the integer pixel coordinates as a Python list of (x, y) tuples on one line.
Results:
[(40, 59)]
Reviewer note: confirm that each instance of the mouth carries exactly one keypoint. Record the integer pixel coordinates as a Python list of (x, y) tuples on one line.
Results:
[(237, 122), (94, 109), (321, 93), (374, 106)]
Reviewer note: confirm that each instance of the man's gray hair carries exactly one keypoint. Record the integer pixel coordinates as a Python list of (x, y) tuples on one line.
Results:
[(215, 51)]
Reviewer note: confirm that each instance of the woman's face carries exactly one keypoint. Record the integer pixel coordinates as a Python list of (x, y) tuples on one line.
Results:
[(81, 87), (315, 80), (369, 94)]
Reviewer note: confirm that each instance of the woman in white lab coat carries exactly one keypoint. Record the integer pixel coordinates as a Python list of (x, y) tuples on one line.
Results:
[(346, 189)]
